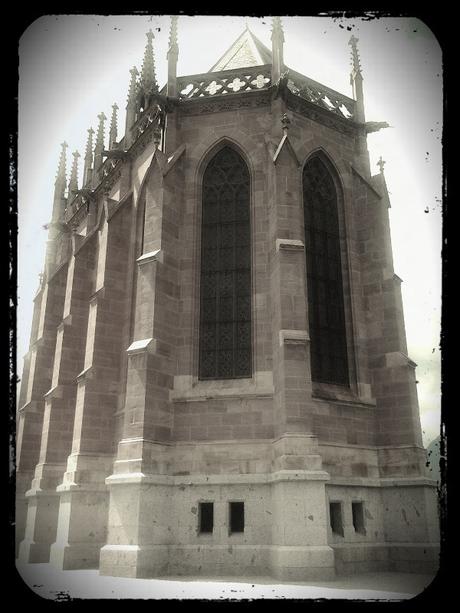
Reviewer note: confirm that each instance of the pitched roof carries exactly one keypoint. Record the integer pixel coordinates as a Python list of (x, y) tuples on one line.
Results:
[(247, 50)]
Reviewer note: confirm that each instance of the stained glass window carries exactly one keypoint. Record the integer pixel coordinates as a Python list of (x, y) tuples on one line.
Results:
[(225, 289), (328, 347)]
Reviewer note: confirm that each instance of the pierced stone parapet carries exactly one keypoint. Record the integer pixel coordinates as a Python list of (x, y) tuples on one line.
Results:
[(224, 82)]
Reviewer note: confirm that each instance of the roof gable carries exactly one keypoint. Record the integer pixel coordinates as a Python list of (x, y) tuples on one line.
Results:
[(246, 51)]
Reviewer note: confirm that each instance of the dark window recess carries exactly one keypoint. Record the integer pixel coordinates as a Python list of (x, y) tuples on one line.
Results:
[(225, 287), (237, 517), (357, 509), (335, 514), (206, 516), (328, 346)]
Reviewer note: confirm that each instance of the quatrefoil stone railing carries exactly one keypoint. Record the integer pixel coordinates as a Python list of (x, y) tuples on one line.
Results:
[(259, 77), (224, 82)]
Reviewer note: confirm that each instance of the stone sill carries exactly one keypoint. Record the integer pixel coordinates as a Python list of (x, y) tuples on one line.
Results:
[(190, 389)]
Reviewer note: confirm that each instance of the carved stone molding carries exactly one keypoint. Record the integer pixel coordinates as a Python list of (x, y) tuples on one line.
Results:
[(228, 102)]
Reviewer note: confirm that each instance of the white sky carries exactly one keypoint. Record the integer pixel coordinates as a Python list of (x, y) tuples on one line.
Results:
[(73, 67)]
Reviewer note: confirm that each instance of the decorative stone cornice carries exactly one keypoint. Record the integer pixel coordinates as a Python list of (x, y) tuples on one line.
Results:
[(227, 102)]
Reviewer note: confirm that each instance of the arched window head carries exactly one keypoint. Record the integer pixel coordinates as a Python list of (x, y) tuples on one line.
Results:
[(225, 288), (328, 346)]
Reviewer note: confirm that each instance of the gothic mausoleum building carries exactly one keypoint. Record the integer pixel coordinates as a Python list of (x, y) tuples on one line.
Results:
[(218, 379)]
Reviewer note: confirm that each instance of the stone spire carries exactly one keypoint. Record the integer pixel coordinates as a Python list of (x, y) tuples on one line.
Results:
[(131, 106), (356, 80), (73, 182), (60, 186), (88, 158), (277, 49), (113, 127), (132, 92), (172, 55), (148, 78), (99, 148)]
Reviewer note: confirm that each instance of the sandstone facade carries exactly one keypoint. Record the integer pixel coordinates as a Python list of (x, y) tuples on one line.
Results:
[(119, 441)]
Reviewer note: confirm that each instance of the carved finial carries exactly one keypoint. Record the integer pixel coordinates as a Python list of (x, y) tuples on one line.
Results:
[(277, 29), (73, 183), (356, 67), (113, 126), (100, 135), (381, 163), (88, 157), (133, 86), (148, 78), (285, 122)]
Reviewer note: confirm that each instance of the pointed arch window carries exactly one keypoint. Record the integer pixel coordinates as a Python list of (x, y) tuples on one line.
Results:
[(328, 345), (225, 290)]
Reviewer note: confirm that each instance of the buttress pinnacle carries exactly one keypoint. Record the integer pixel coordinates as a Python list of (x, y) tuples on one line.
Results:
[(61, 173), (148, 78), (113, 126), (132, 92), (73, 182), (355, 65), (173, 46), (88, 157)]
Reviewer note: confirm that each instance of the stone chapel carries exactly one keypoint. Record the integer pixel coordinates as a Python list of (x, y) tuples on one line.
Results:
[(218, 380)]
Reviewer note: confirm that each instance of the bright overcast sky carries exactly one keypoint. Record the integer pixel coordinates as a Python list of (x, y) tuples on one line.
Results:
[(74, 67)]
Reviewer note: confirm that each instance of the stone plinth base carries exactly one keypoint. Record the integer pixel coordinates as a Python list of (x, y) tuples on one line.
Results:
[(40, 531), (414, 557), (291, 563), (75, 556)]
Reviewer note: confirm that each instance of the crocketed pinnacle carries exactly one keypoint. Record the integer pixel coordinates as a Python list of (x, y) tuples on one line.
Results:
[(100, 135), (61, 173), (148, 78), (133, 86), (173, 47), (355, 65), (88, 156), (73, 182), (113, 126)]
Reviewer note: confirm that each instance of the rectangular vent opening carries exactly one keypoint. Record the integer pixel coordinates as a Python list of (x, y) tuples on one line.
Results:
[(236, 517), (335, 513), (357, 509), (206, 517)]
